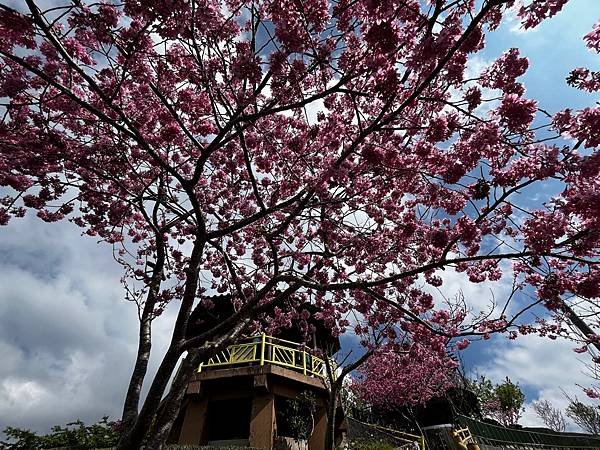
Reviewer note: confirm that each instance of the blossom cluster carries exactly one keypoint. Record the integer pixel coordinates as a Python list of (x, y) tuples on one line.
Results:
[(270, 154)]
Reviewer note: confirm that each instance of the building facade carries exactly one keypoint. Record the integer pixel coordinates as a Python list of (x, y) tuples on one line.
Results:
[(242, 396)]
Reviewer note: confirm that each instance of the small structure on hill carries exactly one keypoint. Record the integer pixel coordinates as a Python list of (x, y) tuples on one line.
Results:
[(252, 394)]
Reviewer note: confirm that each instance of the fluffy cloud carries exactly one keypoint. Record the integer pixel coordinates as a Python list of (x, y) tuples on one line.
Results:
[(67, 337), (545, 369), (480, 298)]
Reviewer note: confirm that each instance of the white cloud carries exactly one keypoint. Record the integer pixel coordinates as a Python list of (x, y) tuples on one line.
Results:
[(67, 337), (17, 392), (480, 298), (548, 368), (512, 22)]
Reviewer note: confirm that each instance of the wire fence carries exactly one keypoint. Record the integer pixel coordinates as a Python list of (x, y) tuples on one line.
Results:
[(488, 434), (359, 431)]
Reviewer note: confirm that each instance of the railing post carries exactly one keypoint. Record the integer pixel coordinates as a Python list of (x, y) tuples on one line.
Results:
[(304, 361), (262, 350)]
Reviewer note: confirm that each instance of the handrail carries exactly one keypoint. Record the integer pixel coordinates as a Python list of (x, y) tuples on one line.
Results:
[(268, 349)]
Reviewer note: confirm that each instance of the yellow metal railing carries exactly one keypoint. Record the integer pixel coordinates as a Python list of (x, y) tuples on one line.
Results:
[(265, 349)]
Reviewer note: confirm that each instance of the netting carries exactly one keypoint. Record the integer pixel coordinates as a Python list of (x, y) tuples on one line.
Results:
[(485, 433)]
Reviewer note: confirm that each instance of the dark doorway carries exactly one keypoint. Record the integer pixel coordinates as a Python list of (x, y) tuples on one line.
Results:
[(229, 419)]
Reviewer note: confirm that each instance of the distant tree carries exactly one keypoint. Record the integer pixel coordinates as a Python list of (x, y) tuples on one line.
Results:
[(553, 417), (483, 388), (502, 402), (510, 402), (587, 417), (104, 433), (21, 439), (406, 374)]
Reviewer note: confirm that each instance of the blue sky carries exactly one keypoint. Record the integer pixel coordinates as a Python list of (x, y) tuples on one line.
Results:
[(554, 48), (542, 367), (67, 339)]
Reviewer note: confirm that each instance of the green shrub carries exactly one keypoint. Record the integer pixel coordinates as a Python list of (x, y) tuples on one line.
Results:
[(74, 436)]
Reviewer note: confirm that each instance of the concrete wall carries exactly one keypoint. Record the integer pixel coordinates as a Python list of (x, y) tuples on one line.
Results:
[(262, 388), (262, 421)]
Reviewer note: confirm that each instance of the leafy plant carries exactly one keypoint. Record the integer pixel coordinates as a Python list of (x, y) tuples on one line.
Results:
[(74, 434), (502, 402), (299, 414)]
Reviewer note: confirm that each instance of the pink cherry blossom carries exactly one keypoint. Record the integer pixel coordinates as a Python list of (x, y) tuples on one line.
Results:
[(517, 112), (246, 159)]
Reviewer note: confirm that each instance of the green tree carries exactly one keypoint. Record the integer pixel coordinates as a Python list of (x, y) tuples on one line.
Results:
[(483, 388), (21, 439), (74, 434), (300, 413), (502, 402)]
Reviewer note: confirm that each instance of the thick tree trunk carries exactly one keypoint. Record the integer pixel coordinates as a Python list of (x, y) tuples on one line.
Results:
[(331, 410), (156, 433), (132, 439), (172, 402), (132, 398), (134, 435)]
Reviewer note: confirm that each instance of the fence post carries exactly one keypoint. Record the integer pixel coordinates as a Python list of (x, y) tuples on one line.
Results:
[(262, 350)]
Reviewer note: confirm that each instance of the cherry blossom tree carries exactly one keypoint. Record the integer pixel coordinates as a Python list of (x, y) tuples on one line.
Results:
[(406, 375), (253, 156)]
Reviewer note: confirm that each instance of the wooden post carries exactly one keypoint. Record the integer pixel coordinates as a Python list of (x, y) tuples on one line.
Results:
[(317, 438), (194, 424)]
